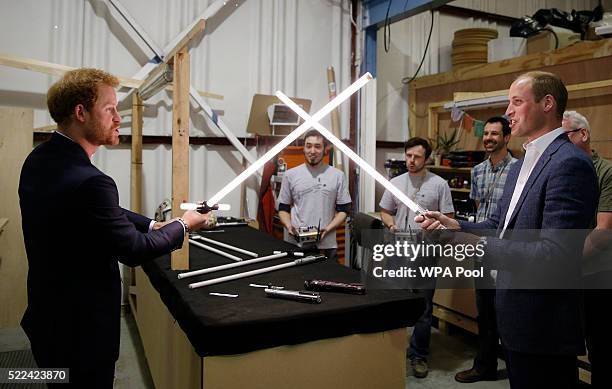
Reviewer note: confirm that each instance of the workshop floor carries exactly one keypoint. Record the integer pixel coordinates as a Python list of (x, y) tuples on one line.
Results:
[(449, 354)]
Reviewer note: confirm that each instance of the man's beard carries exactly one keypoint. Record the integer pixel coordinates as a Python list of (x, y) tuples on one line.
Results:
[(314, 161), (317, 159), (97, 134)]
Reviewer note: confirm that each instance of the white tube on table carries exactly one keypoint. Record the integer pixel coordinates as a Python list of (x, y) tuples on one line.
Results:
[(300, 261), (214, 250), (227, 246), (230, 265)]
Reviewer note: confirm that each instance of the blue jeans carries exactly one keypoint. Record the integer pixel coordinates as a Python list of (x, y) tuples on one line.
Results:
[(421, 335)]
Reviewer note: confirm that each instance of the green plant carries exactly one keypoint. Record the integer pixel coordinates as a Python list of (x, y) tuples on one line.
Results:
[(444, 143)]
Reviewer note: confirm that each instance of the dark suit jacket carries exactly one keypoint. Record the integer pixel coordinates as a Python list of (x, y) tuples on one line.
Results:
[(75, 232), (560, 195)]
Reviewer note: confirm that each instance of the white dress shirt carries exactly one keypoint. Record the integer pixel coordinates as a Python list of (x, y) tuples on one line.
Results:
[(533, 152)]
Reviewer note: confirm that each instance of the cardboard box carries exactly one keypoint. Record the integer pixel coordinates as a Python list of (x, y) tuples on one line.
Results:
[(506, 48), (545, 40), (259, 123)]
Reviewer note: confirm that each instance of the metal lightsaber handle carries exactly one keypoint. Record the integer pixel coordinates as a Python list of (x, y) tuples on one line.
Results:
[(295, 295), (421, 212), (203, 207), (334, 286)]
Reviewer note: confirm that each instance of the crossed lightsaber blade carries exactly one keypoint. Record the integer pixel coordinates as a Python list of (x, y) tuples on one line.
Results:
[(313, 122)]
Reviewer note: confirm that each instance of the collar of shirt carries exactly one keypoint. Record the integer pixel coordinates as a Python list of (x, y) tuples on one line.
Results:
[(594, 155), (501, 164), (64, 135), (69, 138), (541, 143), (316, 170)]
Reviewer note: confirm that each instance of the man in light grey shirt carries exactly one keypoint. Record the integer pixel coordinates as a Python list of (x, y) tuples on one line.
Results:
[(433, 193), (314, 194)]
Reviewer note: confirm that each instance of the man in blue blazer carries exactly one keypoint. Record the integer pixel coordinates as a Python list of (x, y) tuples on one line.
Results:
[(75, 233), (552, 190)]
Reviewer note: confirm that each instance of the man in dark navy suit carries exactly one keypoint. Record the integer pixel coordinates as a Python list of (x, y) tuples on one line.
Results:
[(551, 191), (75, 233)]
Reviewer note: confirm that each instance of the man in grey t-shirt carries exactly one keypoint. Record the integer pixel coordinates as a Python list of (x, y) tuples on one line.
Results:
[(314, 194), (431, 192)]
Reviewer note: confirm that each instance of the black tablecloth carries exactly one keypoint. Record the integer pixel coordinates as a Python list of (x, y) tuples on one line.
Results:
[(222, 325)]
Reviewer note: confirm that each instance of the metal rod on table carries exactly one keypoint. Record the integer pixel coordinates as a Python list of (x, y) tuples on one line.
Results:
[(227, 246), (299, 261), (230, 265), (214, 250)]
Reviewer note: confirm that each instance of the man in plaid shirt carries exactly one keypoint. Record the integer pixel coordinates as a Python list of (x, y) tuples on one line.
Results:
[(488, 180)]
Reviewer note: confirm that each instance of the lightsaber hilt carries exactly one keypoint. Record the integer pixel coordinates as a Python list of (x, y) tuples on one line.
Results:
[(310, 259), (295, 295), (203, 207), (334, 286), (422, 211)]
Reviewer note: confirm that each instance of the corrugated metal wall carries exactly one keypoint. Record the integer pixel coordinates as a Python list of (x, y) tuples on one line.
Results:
[(254, 46)]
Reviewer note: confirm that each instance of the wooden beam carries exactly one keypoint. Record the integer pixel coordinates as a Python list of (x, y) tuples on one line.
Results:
[(455, 318), (15, 144), (167, 140), (432, 120), (51, 68), (180, 45), (580, 51), (335, 117), (412, 112), (34, 65), (183, 44), (209, 95), (463, 96), (54, 69), (180, 149), (136, 155)]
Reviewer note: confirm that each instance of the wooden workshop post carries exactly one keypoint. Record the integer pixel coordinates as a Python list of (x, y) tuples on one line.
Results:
[(412, 112), (180, 148), (15, 145), (335, 117), (136, 166), (432, 120), (135, 182)]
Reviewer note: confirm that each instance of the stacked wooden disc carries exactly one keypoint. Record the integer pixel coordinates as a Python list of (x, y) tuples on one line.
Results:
[(470, 46)]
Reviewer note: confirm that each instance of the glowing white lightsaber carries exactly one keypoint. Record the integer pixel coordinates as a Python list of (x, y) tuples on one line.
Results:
[(231, 266), (227, 246), (416, 208), (354, 87)]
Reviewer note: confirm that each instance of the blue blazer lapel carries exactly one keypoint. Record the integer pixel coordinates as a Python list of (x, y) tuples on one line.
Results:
[(535, 173), (510, 180)]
